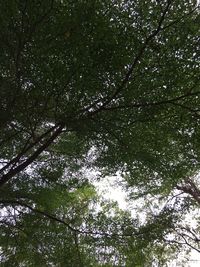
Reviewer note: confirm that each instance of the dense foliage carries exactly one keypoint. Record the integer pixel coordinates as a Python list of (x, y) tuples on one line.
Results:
[(88, 89)]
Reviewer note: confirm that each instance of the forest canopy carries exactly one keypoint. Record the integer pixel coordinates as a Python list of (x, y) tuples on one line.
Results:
[(91, 89)]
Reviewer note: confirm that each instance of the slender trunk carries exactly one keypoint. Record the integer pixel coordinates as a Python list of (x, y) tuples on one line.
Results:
[(191, 189)]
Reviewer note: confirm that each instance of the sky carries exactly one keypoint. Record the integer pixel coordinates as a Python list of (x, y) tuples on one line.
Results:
[(109, 188)]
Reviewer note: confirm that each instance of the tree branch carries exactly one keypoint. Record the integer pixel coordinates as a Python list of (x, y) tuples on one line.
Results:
[(26, 149), (11, 173), (134, 64)]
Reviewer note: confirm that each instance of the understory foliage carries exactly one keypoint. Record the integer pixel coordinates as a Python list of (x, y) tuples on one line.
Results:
[(88, 89)]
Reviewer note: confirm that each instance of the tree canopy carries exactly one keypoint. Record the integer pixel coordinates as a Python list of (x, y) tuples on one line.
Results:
[(89, 89)]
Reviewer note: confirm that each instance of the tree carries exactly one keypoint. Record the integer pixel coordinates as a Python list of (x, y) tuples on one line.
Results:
[(105, 86)]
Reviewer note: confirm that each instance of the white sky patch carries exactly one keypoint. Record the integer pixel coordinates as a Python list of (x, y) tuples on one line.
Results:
[(110, 188)]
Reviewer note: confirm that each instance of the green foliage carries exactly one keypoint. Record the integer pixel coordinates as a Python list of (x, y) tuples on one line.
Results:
[(86, 88)]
